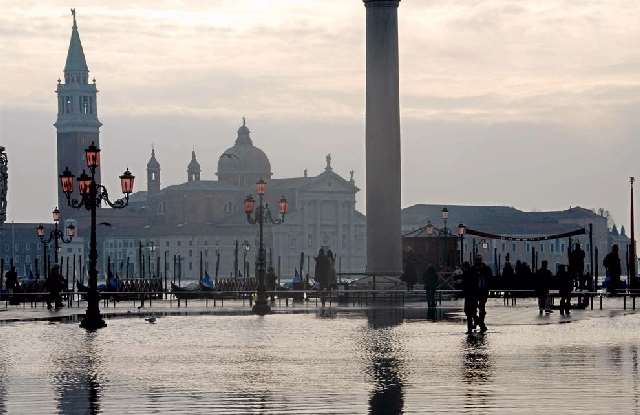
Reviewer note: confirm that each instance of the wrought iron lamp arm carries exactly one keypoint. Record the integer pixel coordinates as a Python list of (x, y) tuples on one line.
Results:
[(268, 217), (77, 204), (103, 195)]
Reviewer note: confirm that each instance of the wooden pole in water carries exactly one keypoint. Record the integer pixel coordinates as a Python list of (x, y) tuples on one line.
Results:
[(595, 278), (73, 274), (66, 276), (140, 260)]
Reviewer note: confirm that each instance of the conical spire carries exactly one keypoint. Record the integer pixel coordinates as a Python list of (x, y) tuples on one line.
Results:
[(153, 162), (76, 61), (193, 169)]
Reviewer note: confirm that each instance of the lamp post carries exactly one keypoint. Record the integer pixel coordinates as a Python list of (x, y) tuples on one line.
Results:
[(54, 236), (461, 231), (261, 216), (445, 218), (91, 195)]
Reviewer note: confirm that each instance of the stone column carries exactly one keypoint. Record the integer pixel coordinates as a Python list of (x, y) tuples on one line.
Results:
[(384, 246)]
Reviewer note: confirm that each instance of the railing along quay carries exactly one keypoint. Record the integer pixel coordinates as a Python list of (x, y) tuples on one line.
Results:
[(112, 299)]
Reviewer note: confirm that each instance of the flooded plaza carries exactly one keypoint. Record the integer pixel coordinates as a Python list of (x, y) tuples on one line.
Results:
[(374, 360)]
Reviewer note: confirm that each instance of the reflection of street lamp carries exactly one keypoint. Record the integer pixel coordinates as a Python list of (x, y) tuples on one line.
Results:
[(461, 231), (54, 236), (92, 194), (262, 215), (445, 218)]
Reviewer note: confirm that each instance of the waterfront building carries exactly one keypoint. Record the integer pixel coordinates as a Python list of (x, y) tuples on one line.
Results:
[(508, 221)]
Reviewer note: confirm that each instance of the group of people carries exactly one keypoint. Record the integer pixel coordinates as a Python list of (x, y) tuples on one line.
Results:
[(475, 287), (54, 284)]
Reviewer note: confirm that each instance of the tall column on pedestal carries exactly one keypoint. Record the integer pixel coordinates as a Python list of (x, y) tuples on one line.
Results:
[(384, 246)]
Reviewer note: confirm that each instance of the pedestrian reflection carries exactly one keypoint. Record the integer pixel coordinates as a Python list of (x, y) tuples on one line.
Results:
[(476, 371), (385, 363), (78, 379)]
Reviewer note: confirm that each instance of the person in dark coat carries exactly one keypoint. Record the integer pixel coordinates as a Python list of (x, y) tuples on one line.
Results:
[(565, 282), (11, 278), (543, 283), (482, 275), (410, 274), (430, 279), (508, 275), (576, 265), (53, 284), (613, 269), (470, 291)]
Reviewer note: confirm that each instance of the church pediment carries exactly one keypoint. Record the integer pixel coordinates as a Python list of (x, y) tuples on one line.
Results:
[(329, 182)]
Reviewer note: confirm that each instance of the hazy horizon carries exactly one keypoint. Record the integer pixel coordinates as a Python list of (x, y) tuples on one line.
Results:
[(502, 103)]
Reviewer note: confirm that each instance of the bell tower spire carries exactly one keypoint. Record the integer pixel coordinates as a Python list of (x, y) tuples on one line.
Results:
[(77, 121), (193, 169), (153, 174)]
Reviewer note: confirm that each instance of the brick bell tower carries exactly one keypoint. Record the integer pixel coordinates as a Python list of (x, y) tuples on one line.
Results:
[(77, 123)]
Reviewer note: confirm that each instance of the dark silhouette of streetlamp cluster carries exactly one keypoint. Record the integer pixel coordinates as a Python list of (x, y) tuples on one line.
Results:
[(92, 194), (55, 236), (260, 216)]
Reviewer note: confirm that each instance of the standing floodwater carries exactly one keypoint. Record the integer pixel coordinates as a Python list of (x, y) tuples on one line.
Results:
[(379, 360)]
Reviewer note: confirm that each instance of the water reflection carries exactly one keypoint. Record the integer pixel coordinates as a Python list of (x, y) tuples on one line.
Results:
[(634, 377), (385, 365), (3, 384), (77, 381), (477, 372)]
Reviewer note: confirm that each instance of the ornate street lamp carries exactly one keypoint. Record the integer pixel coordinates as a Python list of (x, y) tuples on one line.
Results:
[(91, 195), (261, 216), (54, 236), (461, 232), (445, 218)]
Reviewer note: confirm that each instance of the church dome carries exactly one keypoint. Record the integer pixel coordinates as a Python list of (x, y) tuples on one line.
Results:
[(243, 164)]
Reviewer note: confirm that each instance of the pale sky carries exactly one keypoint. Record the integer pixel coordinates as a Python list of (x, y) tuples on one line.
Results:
[(533, 104)]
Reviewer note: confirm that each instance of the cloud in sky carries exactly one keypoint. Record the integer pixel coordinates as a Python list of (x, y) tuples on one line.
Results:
[(532, 104)]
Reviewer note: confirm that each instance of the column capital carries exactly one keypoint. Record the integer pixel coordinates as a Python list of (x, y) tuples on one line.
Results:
[(381, 3)]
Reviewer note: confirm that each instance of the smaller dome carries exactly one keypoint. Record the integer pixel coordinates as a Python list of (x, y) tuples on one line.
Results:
[(244, 134)]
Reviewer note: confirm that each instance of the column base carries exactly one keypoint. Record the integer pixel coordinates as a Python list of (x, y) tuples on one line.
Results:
[(92, 323), (261, 307)]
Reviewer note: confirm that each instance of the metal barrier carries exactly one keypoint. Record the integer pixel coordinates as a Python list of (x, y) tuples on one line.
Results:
[(111, 299)]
